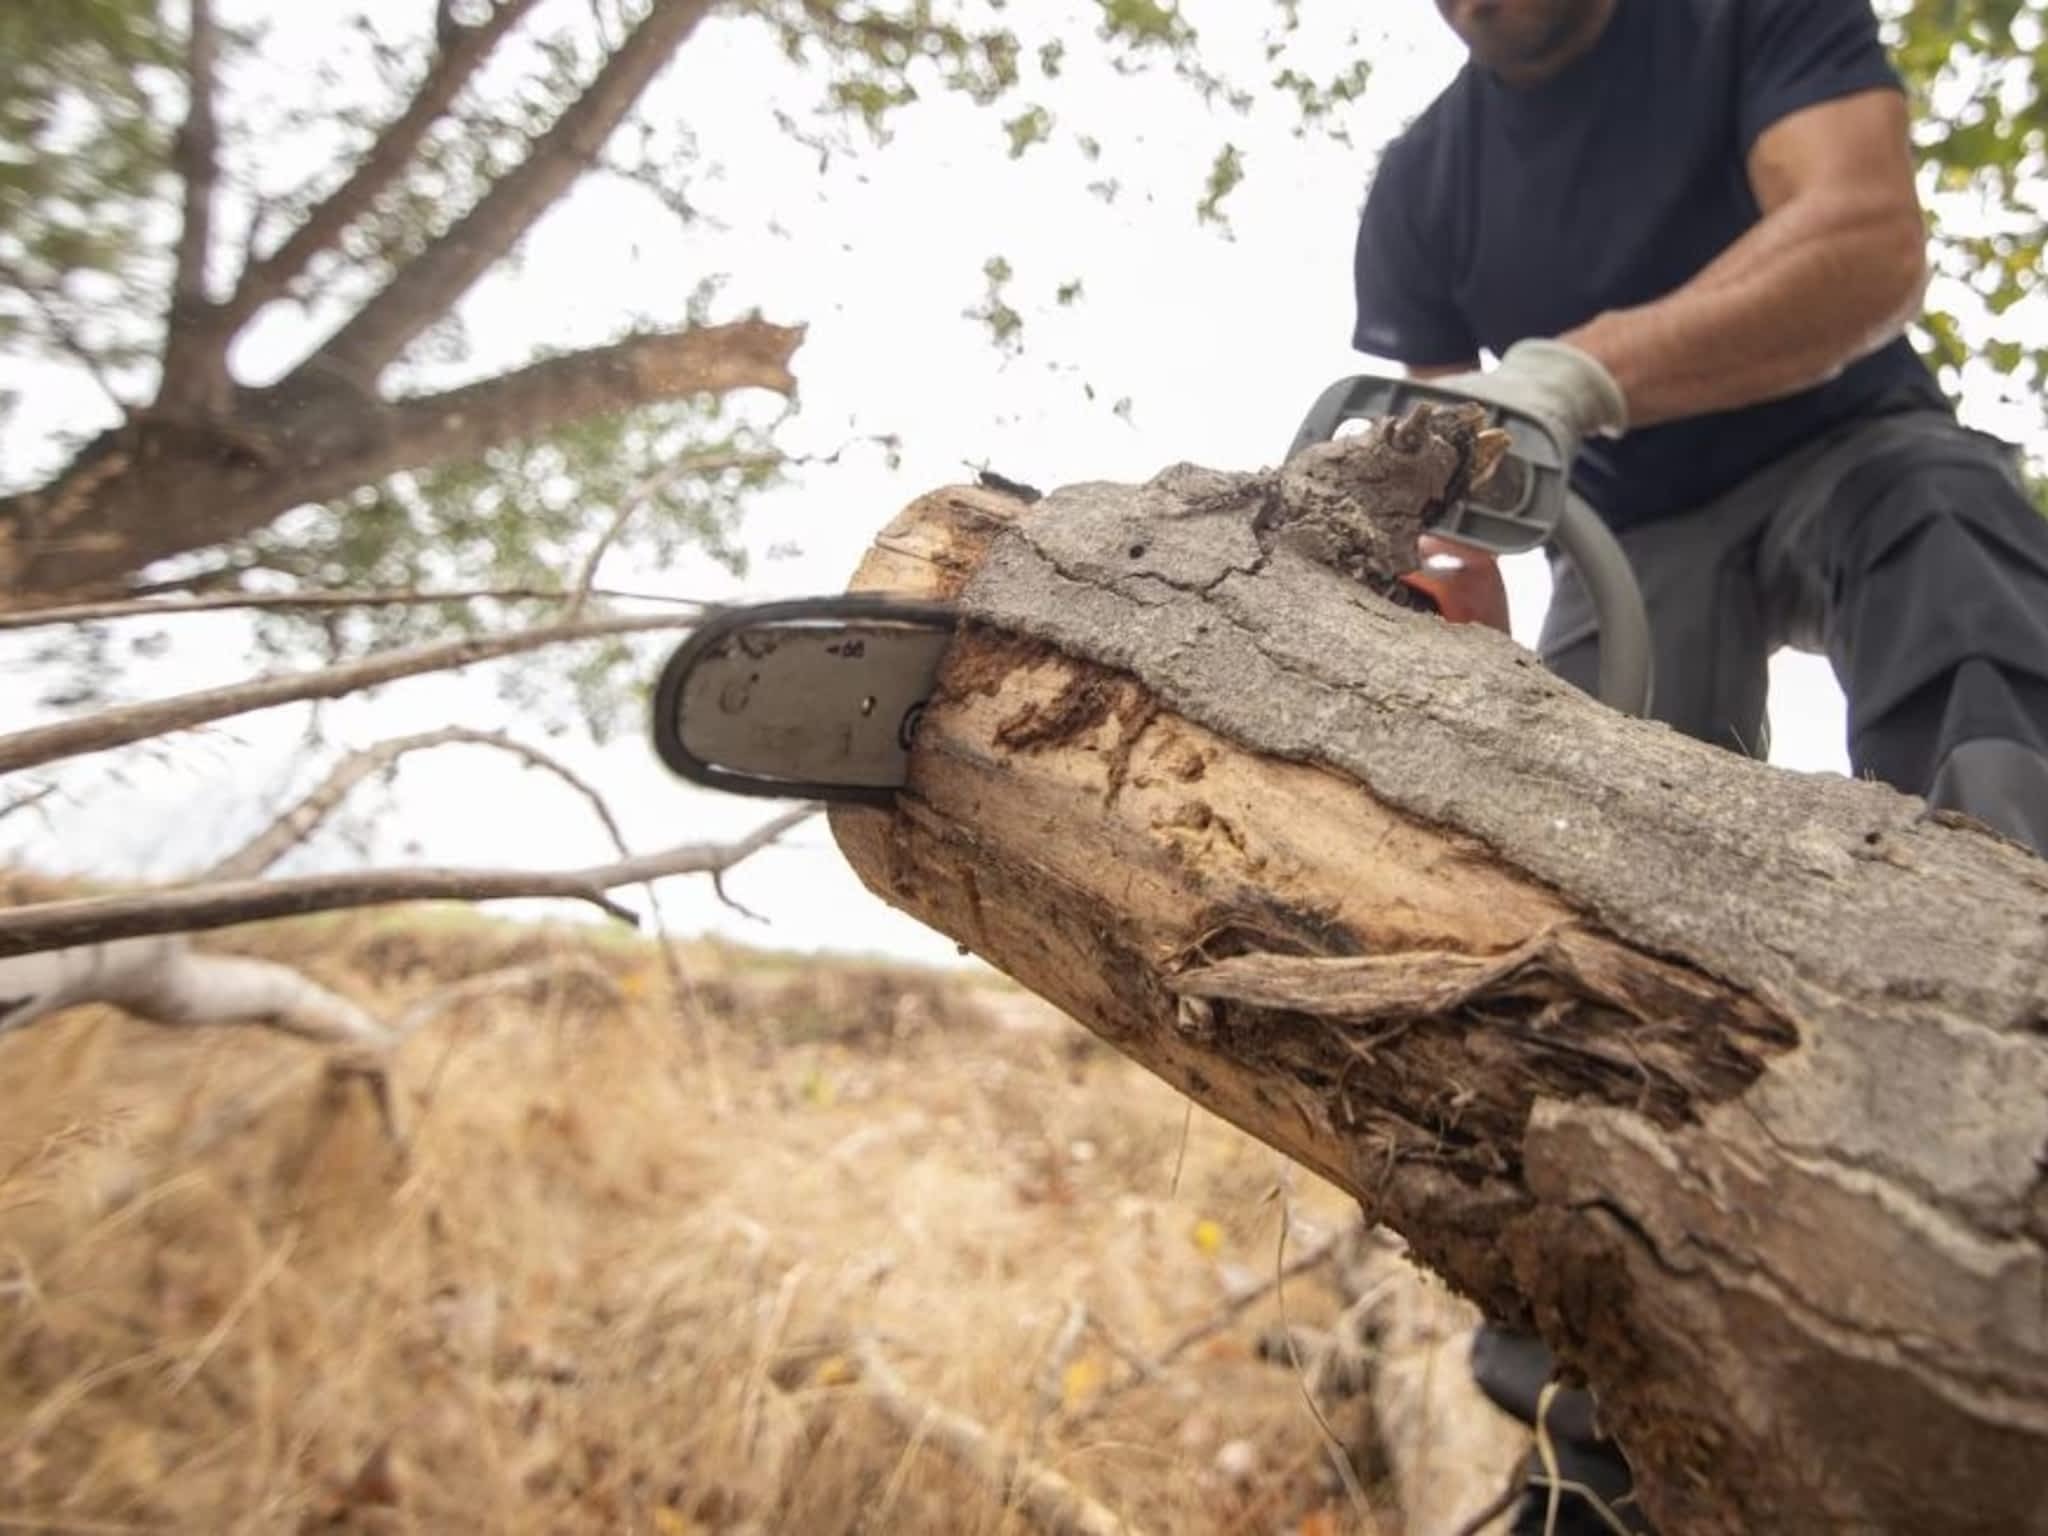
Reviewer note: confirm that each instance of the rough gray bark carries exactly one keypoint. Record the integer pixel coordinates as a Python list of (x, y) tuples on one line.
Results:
[(1732, 1082)]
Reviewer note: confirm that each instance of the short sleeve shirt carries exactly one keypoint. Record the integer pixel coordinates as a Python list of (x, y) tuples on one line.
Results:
[(1504, 213)]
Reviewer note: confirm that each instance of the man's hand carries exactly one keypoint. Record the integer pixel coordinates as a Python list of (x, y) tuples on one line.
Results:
[(1568, 390)]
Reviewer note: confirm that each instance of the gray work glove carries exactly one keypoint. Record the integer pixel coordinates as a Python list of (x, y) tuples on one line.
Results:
[(1567, 390)]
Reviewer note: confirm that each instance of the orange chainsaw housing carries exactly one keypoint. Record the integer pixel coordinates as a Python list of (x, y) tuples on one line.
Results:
[(1461, 583)]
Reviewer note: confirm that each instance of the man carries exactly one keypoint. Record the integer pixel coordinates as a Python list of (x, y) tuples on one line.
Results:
[(1688, 230)]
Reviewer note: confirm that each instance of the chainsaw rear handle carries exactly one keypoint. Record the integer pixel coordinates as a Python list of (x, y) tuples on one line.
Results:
[(1627, 678), (1518, 512)]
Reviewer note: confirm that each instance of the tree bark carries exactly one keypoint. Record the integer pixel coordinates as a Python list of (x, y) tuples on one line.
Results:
[(429, 284), (463, 53), (155, 488), (195, 370), (1731, 1082)]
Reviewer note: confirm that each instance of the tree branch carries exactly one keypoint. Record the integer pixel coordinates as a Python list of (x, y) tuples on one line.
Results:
[(192, 350), (661, 365), (701, 859), (431, 283), (225, 602), (329, 446), (159, 979), (101, 919), (1150, 1368), (138, 722), (653, 485), (307, 814), (1050, 1502), (28, 800), (268, 278), (60, 332)]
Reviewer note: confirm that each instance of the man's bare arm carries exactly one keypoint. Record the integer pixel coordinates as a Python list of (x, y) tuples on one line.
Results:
[(1835, 269)]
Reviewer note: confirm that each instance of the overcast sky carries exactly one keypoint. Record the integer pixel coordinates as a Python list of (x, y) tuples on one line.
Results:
[(1219, 342)]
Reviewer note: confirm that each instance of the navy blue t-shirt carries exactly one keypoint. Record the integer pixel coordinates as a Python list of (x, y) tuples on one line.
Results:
[(1504, 213)]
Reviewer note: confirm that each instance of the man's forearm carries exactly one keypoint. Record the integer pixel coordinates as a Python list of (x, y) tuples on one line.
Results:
[(1816, 285)]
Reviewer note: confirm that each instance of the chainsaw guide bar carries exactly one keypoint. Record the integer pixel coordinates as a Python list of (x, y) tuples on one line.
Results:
[(810, 699)]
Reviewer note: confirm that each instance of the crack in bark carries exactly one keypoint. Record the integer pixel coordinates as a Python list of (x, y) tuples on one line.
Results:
[(1995, 1401), (1054, 579)]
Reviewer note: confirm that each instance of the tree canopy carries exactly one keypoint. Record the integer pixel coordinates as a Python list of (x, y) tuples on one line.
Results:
[(1979, 73), (270, 285)]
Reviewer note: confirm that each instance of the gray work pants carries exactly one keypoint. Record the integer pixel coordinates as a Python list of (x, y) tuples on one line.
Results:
[(1904, 548)]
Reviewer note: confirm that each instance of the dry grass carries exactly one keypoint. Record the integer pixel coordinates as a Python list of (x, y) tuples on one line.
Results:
[(585, 1300)]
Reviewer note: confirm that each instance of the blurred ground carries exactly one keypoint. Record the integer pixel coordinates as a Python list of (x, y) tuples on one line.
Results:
[(618, 1280)]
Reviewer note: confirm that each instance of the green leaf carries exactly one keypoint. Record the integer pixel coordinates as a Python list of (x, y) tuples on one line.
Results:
[(1032, 126), (1226, 174)]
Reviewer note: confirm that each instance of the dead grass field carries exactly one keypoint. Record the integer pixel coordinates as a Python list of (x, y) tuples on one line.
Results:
[(618, 1280)]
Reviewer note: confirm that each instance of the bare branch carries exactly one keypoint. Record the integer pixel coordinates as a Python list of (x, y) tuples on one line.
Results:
[(306, 815), (1509, 1496), (431, 282), (60, 332), (225, 602), (28, 800), (637, 497), (729, 900), (100, 919), (190, 340), (661, 365), (700, 858), (463, 52), (653, 485), (1314, 1257), (1146, 1369), (130, 723), (160, 980), (1046, 1499), (1051, 1382), (628, 506)]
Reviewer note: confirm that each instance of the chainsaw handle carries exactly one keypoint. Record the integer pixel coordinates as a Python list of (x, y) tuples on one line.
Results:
[(1547, 511), (1627, 669)]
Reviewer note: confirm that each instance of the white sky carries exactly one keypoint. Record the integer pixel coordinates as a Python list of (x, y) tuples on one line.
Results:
[(1219, 342)]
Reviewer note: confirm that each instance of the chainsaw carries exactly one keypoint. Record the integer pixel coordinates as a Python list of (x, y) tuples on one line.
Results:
[(819, 698)]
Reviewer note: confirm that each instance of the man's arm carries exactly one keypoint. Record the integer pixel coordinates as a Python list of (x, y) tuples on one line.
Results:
[(1835, 269)]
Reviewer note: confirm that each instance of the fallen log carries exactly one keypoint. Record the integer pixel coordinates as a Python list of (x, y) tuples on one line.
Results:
[(1729, 1081)]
